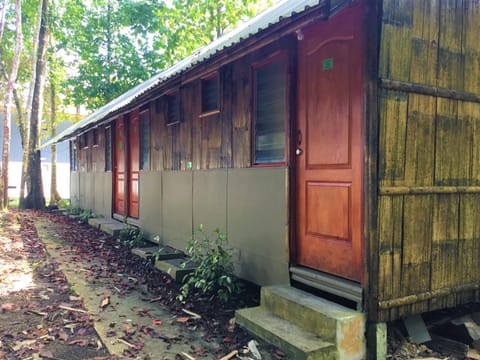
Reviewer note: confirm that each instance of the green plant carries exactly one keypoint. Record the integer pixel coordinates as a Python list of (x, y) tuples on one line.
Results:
[(63, 203), (86, 214), (132, 236), (73, 209), (214, 274)]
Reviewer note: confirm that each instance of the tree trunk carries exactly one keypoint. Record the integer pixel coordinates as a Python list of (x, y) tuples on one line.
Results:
[(54, 196), (8, 106), (3, 11), (35, 198), (25, 135)]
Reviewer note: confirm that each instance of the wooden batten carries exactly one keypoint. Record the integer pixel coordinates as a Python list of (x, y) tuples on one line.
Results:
[(428, 181)]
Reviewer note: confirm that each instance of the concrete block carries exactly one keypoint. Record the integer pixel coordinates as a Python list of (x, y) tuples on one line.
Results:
[(176, 268), (296, 342), (113, 228), (96, 222), (377, 341), (310, 312), (161, 252)]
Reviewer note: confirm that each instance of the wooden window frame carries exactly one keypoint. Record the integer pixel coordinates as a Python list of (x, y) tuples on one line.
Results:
[(108, 164), (277, 56), (141, 113), (83, 141), (212, 76), (73, 156), (168, 98), (96, 138)]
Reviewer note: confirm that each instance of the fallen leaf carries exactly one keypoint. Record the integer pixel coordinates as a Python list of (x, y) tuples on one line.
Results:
[(156, 322), (231, 325), (9, 307), (62, 335), (45, 353), (81, 331), (183, 319), (79, 342), (105, 302), (227, 339)]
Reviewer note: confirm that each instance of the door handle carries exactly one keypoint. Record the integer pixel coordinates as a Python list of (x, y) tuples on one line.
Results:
[(298, 152)]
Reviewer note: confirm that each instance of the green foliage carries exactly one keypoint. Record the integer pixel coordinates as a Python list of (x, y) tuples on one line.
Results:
[(214, 274), (63, 203), (132, 236), (86, 214), (73, 209)]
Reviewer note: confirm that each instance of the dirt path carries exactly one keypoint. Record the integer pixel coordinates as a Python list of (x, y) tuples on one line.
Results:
[(32, 293), (69, 291)]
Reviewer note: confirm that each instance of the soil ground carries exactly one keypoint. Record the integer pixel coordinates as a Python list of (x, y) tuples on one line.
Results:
[(54, 270), (69, 291)]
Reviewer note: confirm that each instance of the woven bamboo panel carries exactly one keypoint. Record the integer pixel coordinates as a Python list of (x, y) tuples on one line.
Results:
[(429, 152)]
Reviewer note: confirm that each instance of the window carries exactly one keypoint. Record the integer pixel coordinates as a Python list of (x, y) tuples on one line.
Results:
[(108, 148), (173, 109), (84, 141), (73, 155), (145, 140), (210, 94), (95, 137), (270, 112)]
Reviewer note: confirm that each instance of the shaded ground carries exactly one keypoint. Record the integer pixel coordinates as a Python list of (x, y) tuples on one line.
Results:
[(69, 291), (32, 292), (44, 316)]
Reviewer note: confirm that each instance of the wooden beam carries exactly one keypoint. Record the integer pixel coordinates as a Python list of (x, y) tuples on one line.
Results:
[(419, 190), (423, 89), (427, 295)]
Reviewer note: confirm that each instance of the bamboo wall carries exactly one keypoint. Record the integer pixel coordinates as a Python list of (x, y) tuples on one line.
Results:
[(429, 156)]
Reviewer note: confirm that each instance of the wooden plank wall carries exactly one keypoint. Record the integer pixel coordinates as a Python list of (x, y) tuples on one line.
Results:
[(429, 156), (92, 157), (219, 140)]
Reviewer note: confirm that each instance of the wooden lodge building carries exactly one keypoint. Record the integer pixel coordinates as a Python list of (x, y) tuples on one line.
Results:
[(337, 143)]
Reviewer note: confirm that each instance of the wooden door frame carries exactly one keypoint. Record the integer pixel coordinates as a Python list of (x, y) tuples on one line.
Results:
[(114, 167), (369, 73)]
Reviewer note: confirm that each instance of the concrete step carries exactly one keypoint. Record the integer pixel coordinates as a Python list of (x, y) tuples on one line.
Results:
[(113, 227), (97, 222), (297, 343), (335, 324), (160, 252), (176, 268), (308, 311)]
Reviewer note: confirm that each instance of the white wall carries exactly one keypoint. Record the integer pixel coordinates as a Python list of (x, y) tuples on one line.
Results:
[(63, 179)]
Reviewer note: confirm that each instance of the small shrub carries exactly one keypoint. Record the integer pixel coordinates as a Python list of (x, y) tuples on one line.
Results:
[(73, 209), (214, 274), (87, 214), (132, 236), (63, 203)]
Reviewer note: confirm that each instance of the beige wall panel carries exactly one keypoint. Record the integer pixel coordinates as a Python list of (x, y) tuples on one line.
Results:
[(258, 223), (177, 208), (84, 185), (102, 199), (74, 188), (210, 199), (151, 203)]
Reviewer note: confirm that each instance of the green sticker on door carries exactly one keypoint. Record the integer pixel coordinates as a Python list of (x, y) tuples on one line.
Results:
[(327, 64)]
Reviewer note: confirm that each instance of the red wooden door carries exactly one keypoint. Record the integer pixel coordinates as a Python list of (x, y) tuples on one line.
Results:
[(329, 154), (119, 167), (134, 163)]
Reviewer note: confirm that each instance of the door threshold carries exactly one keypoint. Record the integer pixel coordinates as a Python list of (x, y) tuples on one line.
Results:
[(329, 284), (127, 220)]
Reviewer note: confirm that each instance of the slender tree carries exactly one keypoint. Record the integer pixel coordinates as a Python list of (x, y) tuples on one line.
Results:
[(54, 195), (8, 104), (35, 198)]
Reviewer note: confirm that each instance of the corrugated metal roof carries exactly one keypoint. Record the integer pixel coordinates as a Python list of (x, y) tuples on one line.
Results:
[(271, 16)]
